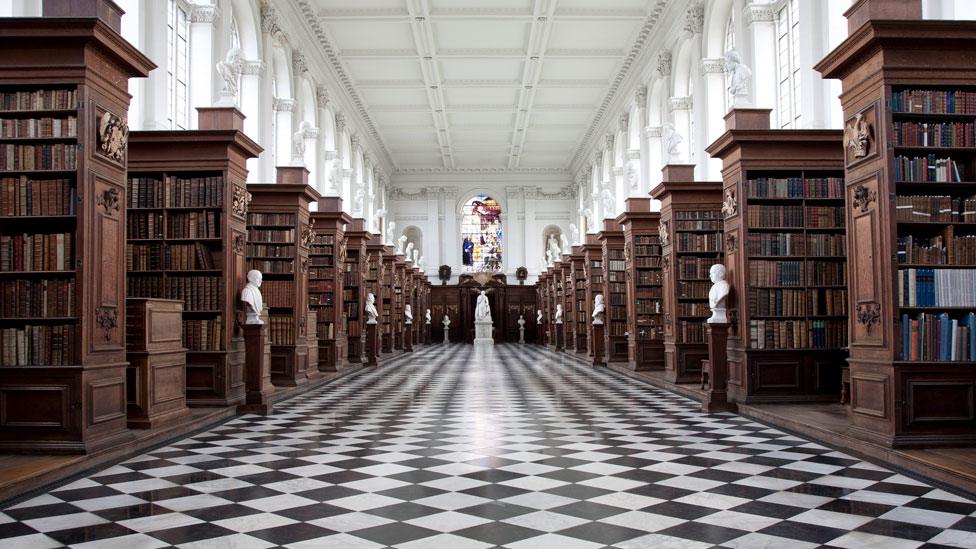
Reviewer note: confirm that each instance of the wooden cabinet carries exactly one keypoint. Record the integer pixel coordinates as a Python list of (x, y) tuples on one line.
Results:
[(615, 292), (645, 285), (593, 270), (354, 289), (156, 376), (327, 259)]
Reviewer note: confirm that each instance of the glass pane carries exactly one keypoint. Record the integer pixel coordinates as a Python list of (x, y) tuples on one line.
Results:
[(481, 235)]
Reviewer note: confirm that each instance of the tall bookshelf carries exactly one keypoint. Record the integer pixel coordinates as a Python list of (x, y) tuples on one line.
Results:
[(398, 299), (325, 281), (785, 244), (187, 210), (912, 366), (593, 269), (354, 289), (374, 281), (568, 301), (690, 230), (578, 269), (645, 285), (62, 219), (386, 298), (615, 292), (279, 237), (542, 298)]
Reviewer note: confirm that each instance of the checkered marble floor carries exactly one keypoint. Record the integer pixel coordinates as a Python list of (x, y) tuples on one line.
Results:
[(513, 446)]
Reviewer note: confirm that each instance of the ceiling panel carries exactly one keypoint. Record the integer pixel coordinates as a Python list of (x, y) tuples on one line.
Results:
[(482, 69), (371, 34), (384, 69), (484, 96), (593, 34), (569, 96), (481, 33), (480, 5), (474, 117), (394, 96), (564, 69)]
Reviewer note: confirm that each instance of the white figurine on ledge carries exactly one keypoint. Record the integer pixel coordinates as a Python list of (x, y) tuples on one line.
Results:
[(718, 295), (521, 325), (371, 312), (401, 242), (559, 314), (409, 252), (407, 314), (251, 296), (482, 310), (447, 328), (427, 317), (538, 317), (598, 310)]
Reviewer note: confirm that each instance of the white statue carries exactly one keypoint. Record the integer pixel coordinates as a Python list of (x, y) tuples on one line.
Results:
[(590, 216), (672, 142), (359, 201), (371, 312), (599, 310), (407, 315), (427, 317), (559, 314), (230, 72), (633, 174), (552, 250), (390, 228), (609, 203), (420, 263), (298, 138), (718, 295), (567, 249), (521, 325), (482, 310), (251, 295), (575, 234), (447, 328), (409, 252), (538, 317), (739, 75), (416, 258), (331, 184), (378, 216), (401, 242)]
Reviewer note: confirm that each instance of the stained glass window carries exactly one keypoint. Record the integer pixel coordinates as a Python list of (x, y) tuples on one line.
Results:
[(481, 235)]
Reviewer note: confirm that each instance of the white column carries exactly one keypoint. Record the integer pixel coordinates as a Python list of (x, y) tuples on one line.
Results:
[(655, 161), (283, 108), (156, 103), (760, 27), (681, 115), (311, 153), (713, 75), (637, 154), (529, 236), (256, 116), (441, 257), (203, 58)]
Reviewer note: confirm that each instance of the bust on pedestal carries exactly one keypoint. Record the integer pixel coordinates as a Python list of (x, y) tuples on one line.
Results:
[(599, 312), (715, 374), (718, 295), (482, 321), (521, 325), (251, 296), (447, 328), (558, 327), (407, 328), (371, 314), (257, 350)]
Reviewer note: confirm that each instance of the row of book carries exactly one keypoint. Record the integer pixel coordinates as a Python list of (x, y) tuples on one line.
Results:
[(935, 134), (686, 309), (284, 236), (935, 209), (198, 293), (23, 196), (797, 334), (648, 250), (937, 287), (770, 216), (281, 293), (796, 187), (647, 240), (322, 239), (39, 100), (30, 128), (796, 245), (645, 278), (159, 256), (788, 302), (286, 251), (205, 224), (203, 334), (145, 192), (44, 345), (281, 329), (928, 169), (694, 290), (649, 307), (37, 298), (656, 292), (271, 219), (690, 331), (195, 192), (699, 242), (616, 265), (37, 252), (944, 249), (934, 101), (54, 156), (797, 273), (938, 337), (694, 267), (271, 266)]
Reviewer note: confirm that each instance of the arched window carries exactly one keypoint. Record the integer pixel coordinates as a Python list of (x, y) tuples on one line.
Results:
[(729, 46), (481, 235)]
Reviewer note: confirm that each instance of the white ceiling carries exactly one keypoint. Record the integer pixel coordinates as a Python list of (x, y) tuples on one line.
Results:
[(464, 84)]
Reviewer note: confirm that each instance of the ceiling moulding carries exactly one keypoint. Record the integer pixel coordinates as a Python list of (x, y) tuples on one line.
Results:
[(482, 171), (650, 21), (345, 13)]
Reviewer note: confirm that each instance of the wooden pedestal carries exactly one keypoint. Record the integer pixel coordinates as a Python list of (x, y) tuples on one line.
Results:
[(408, 337), (156, 376), (257, 370), (716, 397), (370, 359), (598, 345), (560, 336)]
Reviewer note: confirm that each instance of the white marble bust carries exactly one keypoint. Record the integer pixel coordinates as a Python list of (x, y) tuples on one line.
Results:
[(407, 314), (482, 311), (427, 317), (251, 296), (718, 295), (599, 310), (559, 314), (371, 312), (538, 316), (446, 322)]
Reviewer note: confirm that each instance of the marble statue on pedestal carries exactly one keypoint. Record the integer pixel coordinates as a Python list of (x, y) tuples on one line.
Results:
[(230, 70), (739, 75), (482, 321), (390, 228), (371, 312), (521, 325), (407, 315), (672, 143), (447, 328), (409, 252), (401, 242), (574, 233), (552, 249), (567, 249), (609, 203), (718, 295), (427, 317), (599, 310), (416, 258), (252, 298), (559, 314)]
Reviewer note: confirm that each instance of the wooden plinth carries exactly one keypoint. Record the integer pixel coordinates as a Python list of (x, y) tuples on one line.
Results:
[(408, 337), (598, 345), (716, 397), (257, 371), (370, 359), (156, 377), (560, 336)]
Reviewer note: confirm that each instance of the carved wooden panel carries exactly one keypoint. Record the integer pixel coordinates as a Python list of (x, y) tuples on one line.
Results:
[(939, 402), (869, 394), (106, 400), (108, 246), (35, 406), (168, 379), (866, 260), (777, 375), (861, 136)]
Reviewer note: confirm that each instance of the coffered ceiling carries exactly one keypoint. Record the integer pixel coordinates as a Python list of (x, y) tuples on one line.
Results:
[(474, 84)]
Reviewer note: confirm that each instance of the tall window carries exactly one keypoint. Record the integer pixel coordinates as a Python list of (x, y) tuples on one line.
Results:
[(788, 53), (235, 42), (178, 57), (729, 46), (481, 235)]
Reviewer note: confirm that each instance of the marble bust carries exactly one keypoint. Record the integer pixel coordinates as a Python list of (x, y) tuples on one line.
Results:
[(446, 322), (718, 295), (482, 311), (407, 314), (521, 322), (251, 296), (599, 310), (538, 316), (427, 317), (559, 314), (371, 312)]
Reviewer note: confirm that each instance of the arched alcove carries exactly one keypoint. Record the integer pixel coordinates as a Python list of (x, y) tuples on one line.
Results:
[(415, 235)]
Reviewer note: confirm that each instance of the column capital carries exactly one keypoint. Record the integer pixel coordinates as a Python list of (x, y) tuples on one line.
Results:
[(340, 121), (712, 65), (652, 131), (204, 13), (298, 61), (253, 67), (283, 104), (680, 103), (640, 96), (322, 97), (758, 13), (623, 122), (695, 19), (664, 63), (270, 24)]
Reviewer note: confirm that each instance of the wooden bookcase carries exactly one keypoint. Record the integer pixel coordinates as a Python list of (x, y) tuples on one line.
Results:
[(785, 248), (559, 297), (374, 282), (386, 298), (897, 71), (542, 300), (578, 269), (615, 292), (63, 365), (354, 289), (279, 237), (690, 227), (186, 180), (326, 273), (645, 285), (569, 301), (399, 273), (593, 270)]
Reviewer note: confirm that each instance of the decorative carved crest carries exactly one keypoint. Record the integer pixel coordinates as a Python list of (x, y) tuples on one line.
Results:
[(667, 319), (857, 136), (238, 244), (729, 206), (304, 265), (666, 263), (662, 232), (863, 197), (113, 137), (241, 201), (109, 199), (444, 273), (730, 243), (308, 234), (107, 319), (301, 324), (520, 274), (869, 314)]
